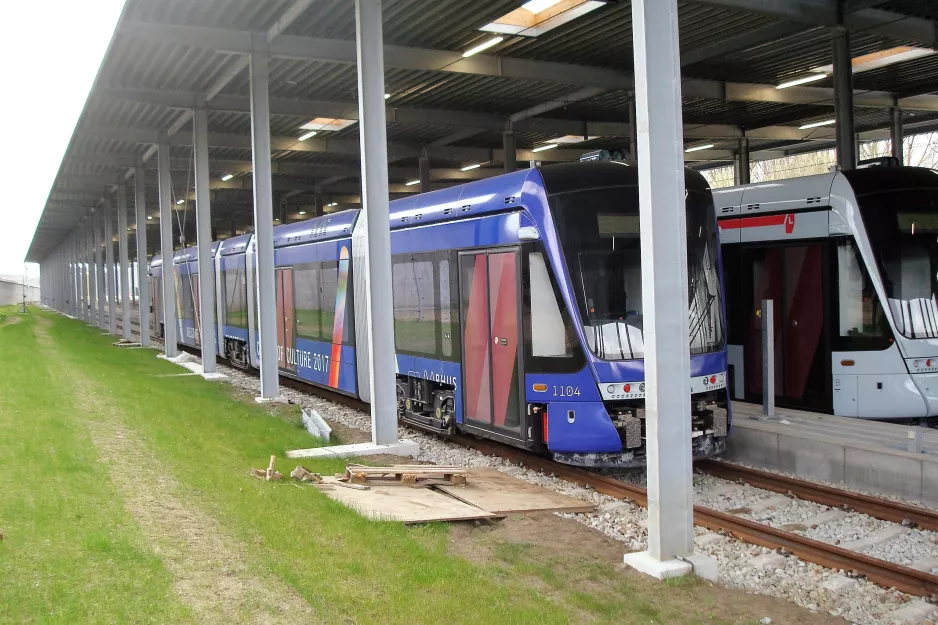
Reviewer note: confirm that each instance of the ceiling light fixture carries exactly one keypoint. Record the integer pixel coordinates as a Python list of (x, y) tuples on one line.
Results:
[(227, 177), (470, 167), (485, 45), (150, 217), (311, 133), (387, 95), (331, 204), (411, 183), (881, 58), (178, 202), (537, 17), (801, 81), (826, 122), (536, 6), (331, 124), (697, 148), (541, 148), (302, 212)]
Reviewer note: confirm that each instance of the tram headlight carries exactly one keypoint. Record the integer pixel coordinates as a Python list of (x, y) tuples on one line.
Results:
[(610, 389)]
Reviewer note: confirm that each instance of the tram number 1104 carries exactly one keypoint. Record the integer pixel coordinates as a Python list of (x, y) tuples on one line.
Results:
[(566, 391)]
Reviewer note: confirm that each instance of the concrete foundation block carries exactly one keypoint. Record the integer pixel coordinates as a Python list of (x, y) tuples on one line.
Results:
[(825, 517), (838, 583), (925, 564), (913, 613), (642, 562), (768, 561), (774, 502), (280, 399), (929, 481), (400, 448), (875, 538), (811, 459), (750, 446), (708, 539), (871, 469), (705, 567)]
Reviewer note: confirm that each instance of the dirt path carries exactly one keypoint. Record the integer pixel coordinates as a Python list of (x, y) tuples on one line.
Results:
[(209, 570)]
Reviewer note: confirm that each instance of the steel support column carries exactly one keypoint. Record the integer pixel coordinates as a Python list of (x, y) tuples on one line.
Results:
[(166, 252), (263, 225), (89, 268), (510, 149), (424, 166), (110, 274), (896, 133), (843, 99), (633, 129), (375, 202), (143, 284), (743, 170), (664, 283), (203, 216), (124, 257), (99, 260)]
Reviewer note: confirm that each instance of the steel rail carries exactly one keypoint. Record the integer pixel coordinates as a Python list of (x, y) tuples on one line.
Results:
[(876, 507), (886, 574)]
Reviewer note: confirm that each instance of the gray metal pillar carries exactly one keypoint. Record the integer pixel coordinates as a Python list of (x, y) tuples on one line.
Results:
[(124, 258), (89, 268), (79, 271), (510, 149), (166, 250), (263, 225), (633, 129), (664, 284), (203, 237), (100, 290), (896, 134), (110, 276), (742, 161), (369, 42), (424, 164), (143, 283), (843, 99), (768, 358)]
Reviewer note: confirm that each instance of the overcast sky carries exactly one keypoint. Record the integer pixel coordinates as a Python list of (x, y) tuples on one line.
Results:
[(52, 50)]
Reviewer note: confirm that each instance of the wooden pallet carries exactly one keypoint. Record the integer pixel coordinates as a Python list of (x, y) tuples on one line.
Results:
[(415, 475)]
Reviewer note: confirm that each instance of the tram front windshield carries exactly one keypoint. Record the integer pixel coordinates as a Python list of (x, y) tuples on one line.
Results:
[(600, 236), (903, 230)]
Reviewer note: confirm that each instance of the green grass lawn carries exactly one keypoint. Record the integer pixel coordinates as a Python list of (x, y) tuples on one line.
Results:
[(90, 433)]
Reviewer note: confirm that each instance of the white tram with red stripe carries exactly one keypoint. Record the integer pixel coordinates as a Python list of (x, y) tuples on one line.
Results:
[(850, 260)]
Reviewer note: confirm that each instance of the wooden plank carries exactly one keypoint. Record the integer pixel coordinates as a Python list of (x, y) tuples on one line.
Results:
[(402, 503), (492, 490)]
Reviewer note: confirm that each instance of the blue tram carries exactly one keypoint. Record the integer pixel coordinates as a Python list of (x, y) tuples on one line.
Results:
[(517, 310)]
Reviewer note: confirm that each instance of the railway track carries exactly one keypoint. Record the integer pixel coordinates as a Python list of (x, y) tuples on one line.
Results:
[(886, 574), (876, 507)]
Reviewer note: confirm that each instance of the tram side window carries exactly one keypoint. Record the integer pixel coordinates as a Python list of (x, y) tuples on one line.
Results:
[(306, 281), (415, 309), (549, 332), (235, 300), (862, 324)]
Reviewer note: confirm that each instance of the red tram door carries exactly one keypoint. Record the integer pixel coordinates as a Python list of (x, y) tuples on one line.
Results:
[(793, 277), (285, 319), (490, 302)]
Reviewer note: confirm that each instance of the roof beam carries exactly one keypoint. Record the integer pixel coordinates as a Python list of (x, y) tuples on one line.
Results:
[(286, 168), (340, 51), (743, 41), (824, 13), (349, 110), (317, 144), (440, 60)]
